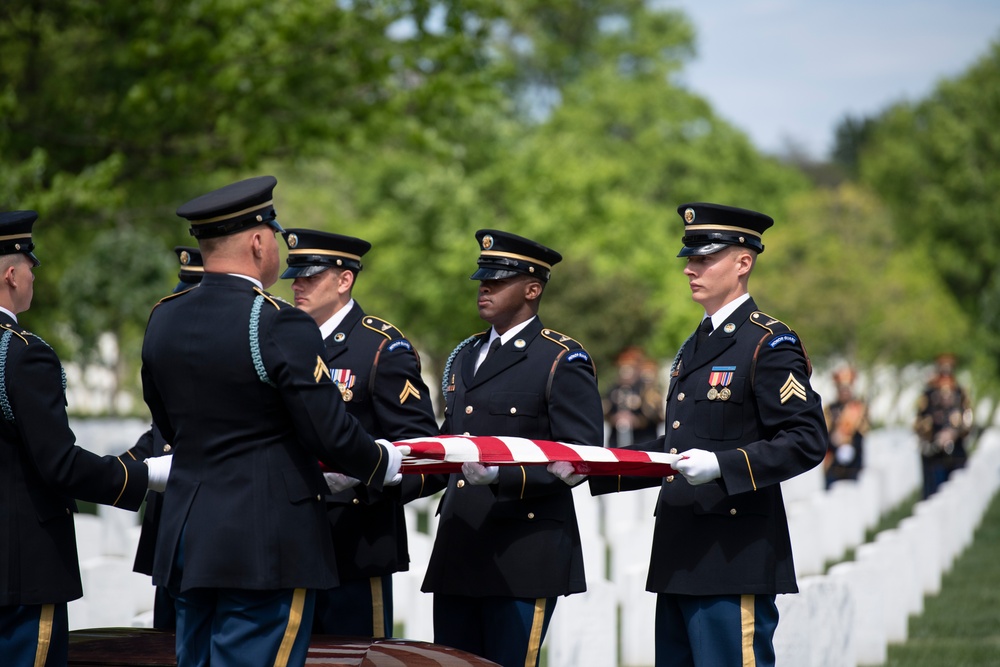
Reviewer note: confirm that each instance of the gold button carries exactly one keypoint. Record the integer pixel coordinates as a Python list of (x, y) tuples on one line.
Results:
[(461, 483), (319, 497), (680, 396), (676, 424), (670, 478), (733, 511), (355, 501), (468, 409), (166, 448), (673, 450), (513, 411), (531, 515)]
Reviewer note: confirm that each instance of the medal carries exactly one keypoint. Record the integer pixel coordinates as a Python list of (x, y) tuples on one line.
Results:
[(724, 394), (344, 379), (713, 394)]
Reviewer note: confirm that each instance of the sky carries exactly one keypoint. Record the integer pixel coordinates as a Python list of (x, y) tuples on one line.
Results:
[(787, 72)]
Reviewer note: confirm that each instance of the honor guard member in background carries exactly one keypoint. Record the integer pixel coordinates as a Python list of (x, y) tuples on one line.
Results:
[(42, 471), (847, 423), (236, 383), (507, 543), (741, 412), (151, 443), (378, 373), (944, 421)]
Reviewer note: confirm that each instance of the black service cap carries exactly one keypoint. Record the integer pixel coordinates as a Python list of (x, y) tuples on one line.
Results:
[(311, 252), (232, 208), (192, 267), (15, 234), (503, 255), (708, 228)]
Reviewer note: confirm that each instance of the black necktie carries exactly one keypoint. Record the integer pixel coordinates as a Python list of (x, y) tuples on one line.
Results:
[(494, 346), (704, 329)]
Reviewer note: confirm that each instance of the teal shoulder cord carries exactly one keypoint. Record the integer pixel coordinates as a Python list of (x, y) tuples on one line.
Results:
[(8, 413), (258, 363), (451, 358)]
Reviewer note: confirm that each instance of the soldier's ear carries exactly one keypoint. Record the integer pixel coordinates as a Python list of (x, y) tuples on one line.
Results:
[(533, 290)]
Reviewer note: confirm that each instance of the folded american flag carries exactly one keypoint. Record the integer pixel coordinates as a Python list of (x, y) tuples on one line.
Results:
[(447, 453)]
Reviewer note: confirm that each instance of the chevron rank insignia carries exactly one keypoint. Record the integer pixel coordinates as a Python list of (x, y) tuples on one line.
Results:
[(792, 388), (320, 369), (408, 391)]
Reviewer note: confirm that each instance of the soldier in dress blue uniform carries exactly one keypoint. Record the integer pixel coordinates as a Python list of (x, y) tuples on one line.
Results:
[(741, 412), (42, 471), (378, 373), (151, 443), (235, 381), (507, 543)]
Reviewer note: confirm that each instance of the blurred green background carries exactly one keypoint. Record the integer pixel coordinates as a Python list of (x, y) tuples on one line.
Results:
[(413, 124)]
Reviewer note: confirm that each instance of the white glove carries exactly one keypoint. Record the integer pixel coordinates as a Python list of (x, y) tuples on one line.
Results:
[(339, 482), (392, 474), (479, 474), (159, 471), (844, 454), (698, 466), (565, 471)]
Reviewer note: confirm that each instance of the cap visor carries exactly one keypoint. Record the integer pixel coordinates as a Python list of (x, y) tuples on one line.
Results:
[(485, 273), (273, 224), (698, 250), (34, 260), (303, 271)]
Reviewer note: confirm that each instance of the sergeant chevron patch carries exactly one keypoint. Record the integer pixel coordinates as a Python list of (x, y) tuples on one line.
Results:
[(792, 387), (320, 369), (408, 391)]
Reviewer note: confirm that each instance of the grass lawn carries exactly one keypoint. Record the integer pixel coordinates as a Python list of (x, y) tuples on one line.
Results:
[(960, 626)]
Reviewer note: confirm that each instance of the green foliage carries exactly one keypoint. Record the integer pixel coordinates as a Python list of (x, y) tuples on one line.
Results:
[(936, 163)]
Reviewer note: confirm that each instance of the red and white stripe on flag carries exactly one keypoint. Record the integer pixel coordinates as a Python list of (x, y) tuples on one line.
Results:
[(447, 453)]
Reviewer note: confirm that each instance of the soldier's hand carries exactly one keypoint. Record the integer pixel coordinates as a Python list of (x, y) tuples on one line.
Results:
[(392, 474), (479, 474), (159, 471), (698, 466), (565, 471), (339, 482)]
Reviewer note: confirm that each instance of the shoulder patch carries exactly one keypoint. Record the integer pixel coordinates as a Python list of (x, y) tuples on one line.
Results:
[(561, 339), (767, 322), (783, 338), (577, 355), (398, 344), (379, 325)]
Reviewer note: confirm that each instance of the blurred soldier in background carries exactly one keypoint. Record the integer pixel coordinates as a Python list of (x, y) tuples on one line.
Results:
[(633, 408), (151, 443), (378, 373), (944, 420), (847, 422)]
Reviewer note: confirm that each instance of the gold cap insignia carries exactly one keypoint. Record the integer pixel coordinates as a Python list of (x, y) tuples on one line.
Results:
[(293, 240), (689, 215), (487, 242), (185, 258)]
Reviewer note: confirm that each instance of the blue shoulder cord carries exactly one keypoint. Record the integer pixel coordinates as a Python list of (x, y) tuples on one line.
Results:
[(8, 412), (451, 358), (258, 363)]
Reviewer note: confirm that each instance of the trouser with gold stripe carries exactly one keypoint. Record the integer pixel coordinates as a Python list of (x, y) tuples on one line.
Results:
[(508, 631), (35, 635), (715, 630), (225, 627), (359, 608)]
